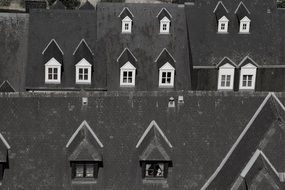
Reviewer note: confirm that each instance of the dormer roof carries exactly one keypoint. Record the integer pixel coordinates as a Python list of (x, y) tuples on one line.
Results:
[(83, 51), (242, 11), (4, 147), (53, 50), (226, 61), (57, 5), (126, 12), (246, 61), (87, 6), (164, 13), (165, 57), (128, 66), (126, 56), (220, 10), (6, 87)]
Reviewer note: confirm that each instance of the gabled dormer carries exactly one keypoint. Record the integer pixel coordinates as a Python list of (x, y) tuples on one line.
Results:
[(164, 18), (83, 58), (87, 6), (127, 63), (226, 74), (84, 152), (221, 14), (53, 60), (243, 16), (57, 5), (166, 66), (154, 153), (127, 20), (4, 162), (248, 69), (6, 87)]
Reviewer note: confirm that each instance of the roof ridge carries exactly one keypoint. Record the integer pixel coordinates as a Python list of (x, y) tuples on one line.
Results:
[(52, 40), (220, 2), (241, 4), (164, 49), (81, 41)]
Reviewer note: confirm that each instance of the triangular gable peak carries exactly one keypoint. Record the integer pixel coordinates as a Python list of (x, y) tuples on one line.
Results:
[(4, 147), (247, 60), (83, 131), (220, 10), (242, 11), (87, 6), (126, 12), (6, 87), (58, 5), (85, 151), (83, 51), (224, 19), (83, 63), (52, 50), (164, 13), (153, 127), (167, 66), (53, 62), (226, 62), (83, 44), (126, 56), (52, 44), (128, 66), (165, 57)]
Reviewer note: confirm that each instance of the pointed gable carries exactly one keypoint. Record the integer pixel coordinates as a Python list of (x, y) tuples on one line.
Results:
[(83, 51), (220, 10), (165, 57), (87, 6), (126, 56), (52, 50), (247, 61), (84, 145), (4, 147), (242, 11), (164, 13), (57, 5), (126, 13), (226, 62), (153, 144), (6, 87)]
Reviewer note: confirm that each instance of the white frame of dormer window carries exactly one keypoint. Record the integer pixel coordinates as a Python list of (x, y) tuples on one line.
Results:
[(247, 70), (224, 21), (164, 22), (226, 70), (244, 22), (168, 68), (83, 65), (51, 65), (129, 68), (127, 21)]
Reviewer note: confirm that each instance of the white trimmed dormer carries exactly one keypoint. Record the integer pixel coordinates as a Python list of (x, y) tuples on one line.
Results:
[(166, 75), (247, 77), (223, 24), (83, 72), (52, 72), (244, 25), (226, 77), (164, 25), (127, 25), (127, 75)]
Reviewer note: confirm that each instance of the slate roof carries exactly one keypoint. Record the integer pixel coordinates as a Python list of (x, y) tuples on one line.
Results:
[(52, 50), (208, 47), (6, 87), (87, 6), (57, 5), (242, 11), (126, 56), (201, 131)]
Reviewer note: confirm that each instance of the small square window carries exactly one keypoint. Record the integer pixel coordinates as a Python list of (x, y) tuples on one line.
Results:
[(155, 169), (247, 80), (244, 26), (85, 169), (225, 80), (166, 78)]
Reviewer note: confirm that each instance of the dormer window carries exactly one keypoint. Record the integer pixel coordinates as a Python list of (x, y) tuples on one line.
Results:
[(127, 19), (84, 169), (226, 74), (155, 169), (244, 25), (83, 72), (223, 25), (52, 71), (247, 74), (166, 75), (164, 18), (127, 75)]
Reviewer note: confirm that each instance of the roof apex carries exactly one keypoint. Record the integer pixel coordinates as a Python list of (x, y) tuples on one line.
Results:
[(239, 5), (83, 62), (82, 41), (128, 65), (6, 84), (53, 62), (126, 49), (52, 41), (126, 9), (221, 63), (164, 9), (242, 63), (164, 49), (220, 3)]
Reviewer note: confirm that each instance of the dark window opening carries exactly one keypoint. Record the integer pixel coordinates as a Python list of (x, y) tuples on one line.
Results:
[(85, 169), (155, 169)]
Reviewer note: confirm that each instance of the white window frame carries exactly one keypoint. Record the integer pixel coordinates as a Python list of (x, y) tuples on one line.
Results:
[(127, 67), (127, 20), (248, 69), (167, 67), (164, 21), (226, 69), (52, 64), (223, 21), (83, 64), (245, 21)]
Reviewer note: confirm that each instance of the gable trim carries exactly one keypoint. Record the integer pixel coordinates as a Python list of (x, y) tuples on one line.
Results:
[(83, 40), (126, 49), (162, 10), (53, 40), (5, 142), (218, 65), (8, 83), (241, 3), (212, 177), (153, 124), (164, 49), (126, 8), (84, 123), (247, 57), (220, 2)]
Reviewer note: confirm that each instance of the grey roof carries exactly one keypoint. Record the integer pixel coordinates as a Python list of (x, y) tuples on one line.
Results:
[(57, 5), (87, 6)]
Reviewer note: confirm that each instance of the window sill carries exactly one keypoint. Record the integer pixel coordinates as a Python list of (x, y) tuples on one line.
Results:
[(225, 89), (164, 33), (84, 83), (126, 32), (244, 33), (222, 32), (84, 181), (52, 82), (155, 180), (166, 86), (246, 89), (127, 85)]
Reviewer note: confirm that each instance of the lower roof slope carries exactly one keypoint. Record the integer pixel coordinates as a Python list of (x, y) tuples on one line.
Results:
[(201, 131)]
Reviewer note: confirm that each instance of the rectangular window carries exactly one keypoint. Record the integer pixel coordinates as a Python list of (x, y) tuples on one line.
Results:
[(154, 170), (127, 77), (52, 73), (247, 80), (164, 27), (126, 26), (244, 26), (83, 74), (225, 80), (85, 169), (166, 77), (223, 26)]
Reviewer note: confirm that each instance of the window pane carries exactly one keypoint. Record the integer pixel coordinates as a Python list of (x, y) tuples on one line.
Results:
[(85, 71), (79, 170), (154, 170), (169, 74), (80, 76), (85, 77), (163, 80), (50, 76), (55, 76), (228, 82), (49, 70), (125, 73), (89, 170), (130, 73), (55, 70), (223, 82), (163, 74), (80, 71)]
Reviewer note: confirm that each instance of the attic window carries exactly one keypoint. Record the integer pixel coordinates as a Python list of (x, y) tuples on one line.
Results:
[(244, 25), (166, 75), (127, 25), (85, 169), (226, 77), (83, 72), (52, 71), (247, 77), (223, 25), (154, 169), (164, 25), (127, 75)]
